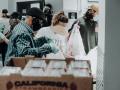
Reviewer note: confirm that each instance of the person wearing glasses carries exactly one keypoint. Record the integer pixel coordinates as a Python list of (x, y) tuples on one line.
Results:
[(88, 28)]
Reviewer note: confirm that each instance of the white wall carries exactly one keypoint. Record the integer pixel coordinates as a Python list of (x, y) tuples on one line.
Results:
[(84, 6), (101, 46), (80, 5), (70, 5), (11, 6), (3, 4), (112, 46), (77, 5), (57, 4), (101, 41)]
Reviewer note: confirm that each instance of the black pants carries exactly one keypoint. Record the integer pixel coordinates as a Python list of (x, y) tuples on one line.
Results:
[(3, 48)]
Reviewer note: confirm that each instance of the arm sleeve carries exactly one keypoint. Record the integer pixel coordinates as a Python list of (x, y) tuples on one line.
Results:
[(42, 40), (24, 47)]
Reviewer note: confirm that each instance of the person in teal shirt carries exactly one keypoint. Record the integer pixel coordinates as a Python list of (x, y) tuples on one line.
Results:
[(22, 39)]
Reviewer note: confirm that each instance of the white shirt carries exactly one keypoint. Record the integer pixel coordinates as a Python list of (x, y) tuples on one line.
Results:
[(59, 40)]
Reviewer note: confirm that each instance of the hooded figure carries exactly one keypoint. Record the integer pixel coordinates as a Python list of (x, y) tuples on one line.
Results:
[(88, 28), (22, 39)]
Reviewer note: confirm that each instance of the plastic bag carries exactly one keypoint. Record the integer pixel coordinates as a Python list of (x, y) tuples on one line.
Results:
[(75, 43), (92, 57)]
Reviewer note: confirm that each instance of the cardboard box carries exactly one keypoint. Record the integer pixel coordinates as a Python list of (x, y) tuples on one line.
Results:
[(18, 82), (20, 61), (64, 82)]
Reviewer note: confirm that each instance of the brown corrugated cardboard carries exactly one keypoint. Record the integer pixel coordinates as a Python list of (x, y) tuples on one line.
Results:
[(64, 82), (18, 82)]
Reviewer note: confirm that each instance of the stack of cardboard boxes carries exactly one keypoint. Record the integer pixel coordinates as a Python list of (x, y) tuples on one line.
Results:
[(39, 74)]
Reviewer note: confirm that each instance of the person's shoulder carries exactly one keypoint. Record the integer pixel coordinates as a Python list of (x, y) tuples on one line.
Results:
[(81, 20), (18, 26), (45, 28), (4, 20), (19, 29), (44, 31)]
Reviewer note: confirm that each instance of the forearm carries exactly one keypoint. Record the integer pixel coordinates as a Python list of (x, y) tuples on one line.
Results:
[(41, 41), (25, 46), (39, 52), (25, 49)]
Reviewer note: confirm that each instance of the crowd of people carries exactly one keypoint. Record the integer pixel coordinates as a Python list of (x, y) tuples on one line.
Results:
[(43, 32)]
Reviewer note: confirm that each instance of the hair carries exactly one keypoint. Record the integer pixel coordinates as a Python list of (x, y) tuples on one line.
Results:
[(35, 12), (4, 11), (95, 7), (60, 17), (16, 15), (49, 5)]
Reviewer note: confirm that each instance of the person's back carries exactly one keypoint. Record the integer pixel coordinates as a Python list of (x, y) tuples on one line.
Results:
[(89, 36)]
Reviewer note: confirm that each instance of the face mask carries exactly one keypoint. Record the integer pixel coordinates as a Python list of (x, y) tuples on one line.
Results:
[(89, 15), (36, 24)]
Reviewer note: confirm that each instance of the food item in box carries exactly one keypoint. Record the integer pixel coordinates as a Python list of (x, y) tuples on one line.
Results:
[(32, 72), (79, 64), (80, 72), (34, 68), (54, 72), (58, 55), (10, 70), (57, 64), (36, 64)]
